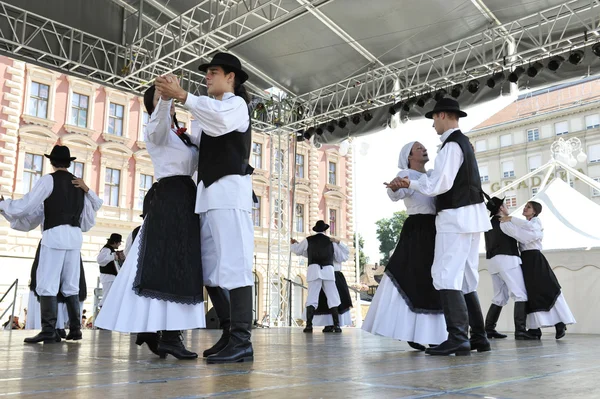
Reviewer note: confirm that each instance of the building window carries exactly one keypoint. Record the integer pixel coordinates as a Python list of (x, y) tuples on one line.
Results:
[(332, 222), (534, 162), (534, 190), (112, 180), (79, 110), (508, 169), (145, 184), (38, 100), (533, 135), (32, 171), (332, 173), (505, 140), (299, 218), (561, 128), (480, 145), (76, 169), (256, 212), (115, 119), (257, 155), (299, 166), (484, 174), (594, 153), (511, 201), (592, 121), (596, 192)]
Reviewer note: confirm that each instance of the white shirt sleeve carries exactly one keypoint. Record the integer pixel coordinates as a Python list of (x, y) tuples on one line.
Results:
[(300, 248), (401, 193), (128, 244), (31, 202), (341, 252), (157, 129), (216, 117), (105, 257), (29, 222), (447, 163), (522, 230), (91, 205)]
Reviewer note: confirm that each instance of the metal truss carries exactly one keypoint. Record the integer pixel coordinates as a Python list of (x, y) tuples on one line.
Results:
[(279, 228), (535, 37)]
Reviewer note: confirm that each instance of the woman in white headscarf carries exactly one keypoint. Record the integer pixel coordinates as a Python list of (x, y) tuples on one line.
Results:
[(406, 306)]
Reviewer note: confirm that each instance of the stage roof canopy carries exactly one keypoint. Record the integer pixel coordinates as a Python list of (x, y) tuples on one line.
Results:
[(328, 58)]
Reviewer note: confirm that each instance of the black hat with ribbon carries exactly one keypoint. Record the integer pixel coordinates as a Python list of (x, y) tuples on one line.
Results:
[(320, 227), (114, 237), (493, 204), (60, 153), (446, 105), (226, 60)]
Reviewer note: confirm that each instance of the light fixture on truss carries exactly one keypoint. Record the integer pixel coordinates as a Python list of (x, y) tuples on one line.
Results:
[(563, 150)]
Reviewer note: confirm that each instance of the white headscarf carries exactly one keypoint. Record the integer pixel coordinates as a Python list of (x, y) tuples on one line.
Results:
[(404, 153)]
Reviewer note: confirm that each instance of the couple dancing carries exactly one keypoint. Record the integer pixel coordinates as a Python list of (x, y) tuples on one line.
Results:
[(193, 236)]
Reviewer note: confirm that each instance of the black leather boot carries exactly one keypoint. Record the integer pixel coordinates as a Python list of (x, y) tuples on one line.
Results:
[(478, 339), (536, 332), (220, 301), (416, 346), (171, 343), (61, 333), (561, 330), (48, 310), (491, 319), (457, 325), (239, 347), (328, 329), (335, 315), (310, 313), (74, 317), (521, 333), (150, 339)]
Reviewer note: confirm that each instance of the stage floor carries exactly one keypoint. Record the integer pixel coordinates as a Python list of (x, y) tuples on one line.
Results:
[(289, 364)]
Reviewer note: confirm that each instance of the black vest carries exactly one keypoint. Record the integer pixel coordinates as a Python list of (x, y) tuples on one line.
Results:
[(110, 268), (466, 189), (65, 205), (498, 243), (224, 155), (320, 250)]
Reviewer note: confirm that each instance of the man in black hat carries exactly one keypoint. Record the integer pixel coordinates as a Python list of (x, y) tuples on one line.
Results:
[(504, 265), (224, 200), (110, 261), (461, 218), (64, 206), (320, 252)]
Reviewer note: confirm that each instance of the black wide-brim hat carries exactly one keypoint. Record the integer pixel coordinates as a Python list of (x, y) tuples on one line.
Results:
[(114, 237), (446, 105), (320, 227), (229, 61), (60, 153), (494, 204)]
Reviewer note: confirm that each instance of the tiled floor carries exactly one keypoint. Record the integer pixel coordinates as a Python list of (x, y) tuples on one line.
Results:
[(289, 364)]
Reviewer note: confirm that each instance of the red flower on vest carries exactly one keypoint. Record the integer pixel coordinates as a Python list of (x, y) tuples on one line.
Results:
[(180, 131)]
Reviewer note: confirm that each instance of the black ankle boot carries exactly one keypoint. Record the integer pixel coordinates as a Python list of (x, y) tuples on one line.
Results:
[(416, 346), (171, 343), (521, 333), (561, 330), (48, 310), (239, 348), (479, 341), (536, 332), (74, 318), (61, 333), (335, 315), (220, 300), (457, 324), (328, 329), (150, 339), (310, 313), (491, 319)]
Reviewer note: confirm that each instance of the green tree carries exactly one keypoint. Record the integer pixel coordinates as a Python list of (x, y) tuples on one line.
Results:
[(388, 233), (362, 258)]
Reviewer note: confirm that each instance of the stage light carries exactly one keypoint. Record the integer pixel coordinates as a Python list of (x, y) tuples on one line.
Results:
[(309, 133), (343, 122), (473, 86), (356, 119), (596, 49), (424, 99), (514, 76), (456, 90), (576, 57), (367, 116), (495, 79), (440, 94), (319, 131), (300, 135), (555, 63), (408, 104), (394, 109), (534, 69), (331, 127)]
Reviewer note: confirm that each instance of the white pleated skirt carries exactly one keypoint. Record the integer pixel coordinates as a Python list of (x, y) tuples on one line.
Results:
[(559, 312), (390, 316), (127, 312), (34, 316)]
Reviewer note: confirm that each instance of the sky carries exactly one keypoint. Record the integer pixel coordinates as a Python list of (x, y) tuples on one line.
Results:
[(379, 164)]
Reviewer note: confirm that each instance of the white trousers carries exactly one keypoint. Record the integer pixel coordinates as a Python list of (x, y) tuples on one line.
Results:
[(455, 262), (58, 268), (106, 280), (227, 247), (330, 289), (508, 283)]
